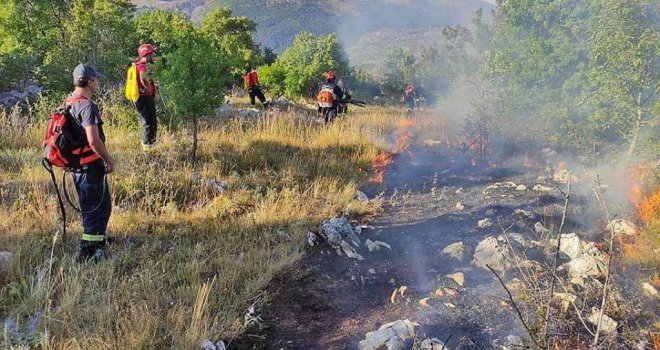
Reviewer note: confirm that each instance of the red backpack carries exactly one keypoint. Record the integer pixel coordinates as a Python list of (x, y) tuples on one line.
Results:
[(64, 145)]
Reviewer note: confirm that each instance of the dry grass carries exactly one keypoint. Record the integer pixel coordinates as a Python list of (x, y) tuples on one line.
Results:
[(188, 260)]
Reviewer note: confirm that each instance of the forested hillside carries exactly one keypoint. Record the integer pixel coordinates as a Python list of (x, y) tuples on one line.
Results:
[(358, 23)]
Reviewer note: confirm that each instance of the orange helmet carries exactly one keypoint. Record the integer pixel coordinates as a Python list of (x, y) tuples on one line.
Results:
[(330, 75), (145, 50)]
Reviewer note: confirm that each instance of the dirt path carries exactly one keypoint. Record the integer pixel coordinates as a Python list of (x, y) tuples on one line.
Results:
[(329, 301)]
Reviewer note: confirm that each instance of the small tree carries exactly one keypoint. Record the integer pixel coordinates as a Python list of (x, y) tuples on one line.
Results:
[(300, 68)]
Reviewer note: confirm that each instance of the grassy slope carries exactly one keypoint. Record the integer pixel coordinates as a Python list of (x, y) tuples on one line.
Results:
[(189, 261)]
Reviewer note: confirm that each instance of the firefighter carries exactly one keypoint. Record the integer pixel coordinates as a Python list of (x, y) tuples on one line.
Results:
[(329, 97), (409, 95), (146, 103), (91, 183), (251, 83)]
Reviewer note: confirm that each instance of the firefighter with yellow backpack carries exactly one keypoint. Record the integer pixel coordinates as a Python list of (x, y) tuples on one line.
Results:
[(141, 89)]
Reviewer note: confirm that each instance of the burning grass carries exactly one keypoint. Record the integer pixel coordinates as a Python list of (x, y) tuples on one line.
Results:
[(644, 194), (190, 258)]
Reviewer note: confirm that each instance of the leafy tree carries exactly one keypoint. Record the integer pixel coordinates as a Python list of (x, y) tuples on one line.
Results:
[(59, 34), (233, 37), (585, 67), (194, 81), (625, 65), (298, 71), (399, 70), (269, 56)]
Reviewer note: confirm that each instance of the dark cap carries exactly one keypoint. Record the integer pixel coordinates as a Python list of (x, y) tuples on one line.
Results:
[(84, 72)]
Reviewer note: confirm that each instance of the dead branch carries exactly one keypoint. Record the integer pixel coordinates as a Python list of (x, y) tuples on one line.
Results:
[(548, 312), (446, 341), (515, 306), (524, 274), (608, 273), (577, 310)]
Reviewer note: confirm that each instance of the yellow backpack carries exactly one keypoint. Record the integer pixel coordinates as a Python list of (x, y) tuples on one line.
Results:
[(132, 88)]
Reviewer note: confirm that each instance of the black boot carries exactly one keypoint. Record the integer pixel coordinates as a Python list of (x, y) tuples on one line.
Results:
[(94, 251)]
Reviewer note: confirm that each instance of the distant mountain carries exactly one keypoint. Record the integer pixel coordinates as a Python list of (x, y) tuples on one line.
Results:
[(364, 26)]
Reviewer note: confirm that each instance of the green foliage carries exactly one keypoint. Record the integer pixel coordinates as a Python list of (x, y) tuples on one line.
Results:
[(232, 36), (60, 34), (299, 70), (587, 68), (194, 68)]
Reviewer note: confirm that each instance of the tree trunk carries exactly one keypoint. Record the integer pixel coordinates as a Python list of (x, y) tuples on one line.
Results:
[(193, 152), (638, 126)]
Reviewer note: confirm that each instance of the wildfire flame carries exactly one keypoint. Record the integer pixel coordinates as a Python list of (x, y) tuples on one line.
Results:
[(382, 160), (379, 165)]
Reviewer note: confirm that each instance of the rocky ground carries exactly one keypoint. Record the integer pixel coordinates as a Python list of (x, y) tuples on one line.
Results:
[(417, 273)]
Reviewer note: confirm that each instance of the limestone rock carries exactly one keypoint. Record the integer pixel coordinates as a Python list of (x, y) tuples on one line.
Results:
[(622, 227), (458, 277), (541, 188), (649, 289), (375, 246), (337, 229), (361, 196), (490, 252), (487, 222), (562, 176), (570, 245), (455, 250), (540, 229), (401, 329), (5, 260), (459, 206), (432, 344), (608, 325)]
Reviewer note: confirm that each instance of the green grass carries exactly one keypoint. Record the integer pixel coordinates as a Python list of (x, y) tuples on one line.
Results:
[(188, 261)]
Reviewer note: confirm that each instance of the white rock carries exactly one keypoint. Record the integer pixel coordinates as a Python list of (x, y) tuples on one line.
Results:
[(459, 206), (649, 289), (607, 325), (336, 230), (583, 266), (458, 277), (402, 329), (350, 251), (514, 340), (541, 188), (540, 229), (372, 271), (487, 222), (312, 238), (562, 176), (622, 227), (432, 344), (5, 259), (570, 245), (490, 252), (525, 213), (361, 196), (455, 250), (375, 246), (395, 343), (521, 188)]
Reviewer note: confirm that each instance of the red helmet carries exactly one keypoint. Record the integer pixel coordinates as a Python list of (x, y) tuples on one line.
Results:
[(330, 75), (145, 49)]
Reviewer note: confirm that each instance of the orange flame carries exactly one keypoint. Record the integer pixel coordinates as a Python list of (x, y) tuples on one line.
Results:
[(382, 160), (379, 164)]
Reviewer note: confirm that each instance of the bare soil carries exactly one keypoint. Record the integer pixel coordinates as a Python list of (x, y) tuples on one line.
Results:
[(329, 301)]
